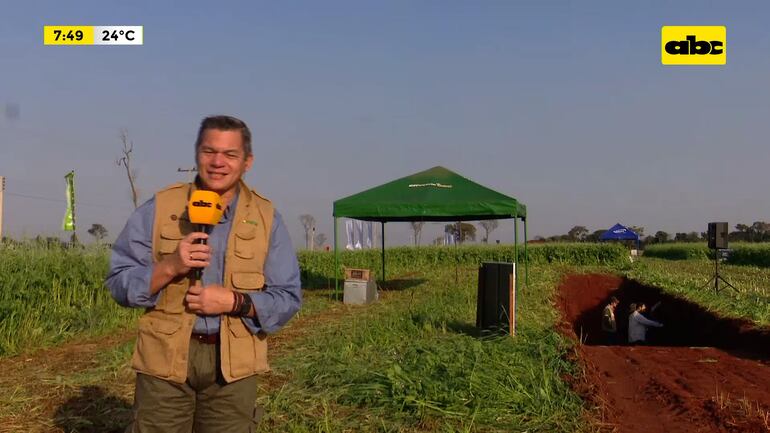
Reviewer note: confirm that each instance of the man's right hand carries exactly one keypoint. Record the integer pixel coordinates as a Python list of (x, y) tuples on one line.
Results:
[(190, 254)]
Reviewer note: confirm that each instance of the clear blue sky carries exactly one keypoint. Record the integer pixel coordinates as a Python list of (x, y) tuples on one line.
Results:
[(563, 105)]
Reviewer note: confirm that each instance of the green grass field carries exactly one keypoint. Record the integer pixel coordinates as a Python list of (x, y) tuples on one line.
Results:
[(688, 279), (741, 253), (48, 295), (412, 362)]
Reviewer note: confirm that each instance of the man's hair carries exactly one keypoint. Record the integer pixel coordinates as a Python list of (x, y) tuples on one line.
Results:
[(614, 300), (226, 123)]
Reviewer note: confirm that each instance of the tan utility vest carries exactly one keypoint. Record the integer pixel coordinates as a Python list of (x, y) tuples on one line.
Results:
[(164, 331)]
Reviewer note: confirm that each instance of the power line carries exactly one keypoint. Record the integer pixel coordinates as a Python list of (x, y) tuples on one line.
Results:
[(36, 198), (59, 200)]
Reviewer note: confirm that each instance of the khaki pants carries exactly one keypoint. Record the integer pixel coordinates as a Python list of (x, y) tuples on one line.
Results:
[(205, 403)]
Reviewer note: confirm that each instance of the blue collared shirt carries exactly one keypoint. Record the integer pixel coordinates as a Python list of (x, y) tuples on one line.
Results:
[(131, 268)]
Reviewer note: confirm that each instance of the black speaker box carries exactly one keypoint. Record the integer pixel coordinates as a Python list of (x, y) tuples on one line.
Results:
[(495, 307), (717, 235)]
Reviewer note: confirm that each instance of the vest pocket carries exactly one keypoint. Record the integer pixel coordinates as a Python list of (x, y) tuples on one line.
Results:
[(165, 326), (242, 347), (156, 345), (171, 298), (170, 235), (244, 241), (248, 280)]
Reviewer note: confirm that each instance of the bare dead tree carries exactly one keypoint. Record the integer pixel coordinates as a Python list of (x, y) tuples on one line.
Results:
[(417, 229), (308, 223), (489, 226), (125, 160)]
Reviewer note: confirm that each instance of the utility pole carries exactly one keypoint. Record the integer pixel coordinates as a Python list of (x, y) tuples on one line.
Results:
[(2, 188), (312, 239)]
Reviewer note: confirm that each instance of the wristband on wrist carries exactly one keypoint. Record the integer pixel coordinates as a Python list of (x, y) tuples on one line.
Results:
[(245, 307), (237, 301)]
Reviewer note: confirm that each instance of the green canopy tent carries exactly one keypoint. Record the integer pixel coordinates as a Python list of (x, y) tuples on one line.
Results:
[(436, 194)]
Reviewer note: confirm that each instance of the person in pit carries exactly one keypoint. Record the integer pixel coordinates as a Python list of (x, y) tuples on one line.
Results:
[(609, 323), (638, 324)]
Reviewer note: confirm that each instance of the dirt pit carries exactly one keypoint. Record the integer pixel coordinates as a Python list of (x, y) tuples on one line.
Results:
[(699, 373)]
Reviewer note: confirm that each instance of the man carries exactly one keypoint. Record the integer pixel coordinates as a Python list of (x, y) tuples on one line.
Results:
[(200, 345), (637, 324), (609, 324)]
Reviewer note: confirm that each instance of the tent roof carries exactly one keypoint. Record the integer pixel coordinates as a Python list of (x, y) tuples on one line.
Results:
[(436, 194), (619, 232)]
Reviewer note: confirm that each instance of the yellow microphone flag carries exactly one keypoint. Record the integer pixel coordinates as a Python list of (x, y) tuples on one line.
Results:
[(205, 207)]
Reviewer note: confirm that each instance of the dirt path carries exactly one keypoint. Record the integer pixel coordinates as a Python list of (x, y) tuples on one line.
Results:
[(74, 387), (34, 386), (702, 373)]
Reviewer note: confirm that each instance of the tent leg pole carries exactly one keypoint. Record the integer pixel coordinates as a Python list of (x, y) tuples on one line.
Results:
[(382, 239), (526, 258), (516, 252), (457, 266), (336, 263)]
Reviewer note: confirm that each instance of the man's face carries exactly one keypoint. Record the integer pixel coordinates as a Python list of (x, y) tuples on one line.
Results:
[(221, 160)]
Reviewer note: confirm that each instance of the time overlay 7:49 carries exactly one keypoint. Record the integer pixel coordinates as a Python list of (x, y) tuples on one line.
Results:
[(93, 35)]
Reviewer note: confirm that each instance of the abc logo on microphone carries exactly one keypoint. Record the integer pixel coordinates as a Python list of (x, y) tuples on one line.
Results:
[(205, 207)]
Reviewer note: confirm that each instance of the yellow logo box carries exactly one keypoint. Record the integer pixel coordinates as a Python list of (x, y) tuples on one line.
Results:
[(693, 45)]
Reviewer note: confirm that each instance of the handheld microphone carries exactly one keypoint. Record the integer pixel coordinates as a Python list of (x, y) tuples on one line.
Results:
[(205, 210)]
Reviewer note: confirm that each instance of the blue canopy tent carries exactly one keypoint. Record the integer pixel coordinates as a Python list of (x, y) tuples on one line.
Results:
[(620, 233)]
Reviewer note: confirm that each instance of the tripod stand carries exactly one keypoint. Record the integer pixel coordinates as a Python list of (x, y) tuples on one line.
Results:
[(716, 278)]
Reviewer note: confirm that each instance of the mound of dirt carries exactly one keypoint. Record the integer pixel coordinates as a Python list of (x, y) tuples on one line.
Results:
[(700, 372)]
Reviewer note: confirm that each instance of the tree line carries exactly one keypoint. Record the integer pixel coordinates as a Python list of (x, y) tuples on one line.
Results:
[(759, 231)]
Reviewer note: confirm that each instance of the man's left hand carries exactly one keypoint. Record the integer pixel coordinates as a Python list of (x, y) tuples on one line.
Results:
[(210, 300)]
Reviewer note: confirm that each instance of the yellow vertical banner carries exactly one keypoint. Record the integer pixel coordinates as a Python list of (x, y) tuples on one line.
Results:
[(68, 224)]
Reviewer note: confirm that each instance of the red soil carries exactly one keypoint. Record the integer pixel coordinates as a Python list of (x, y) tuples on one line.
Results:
[(700, 373)]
